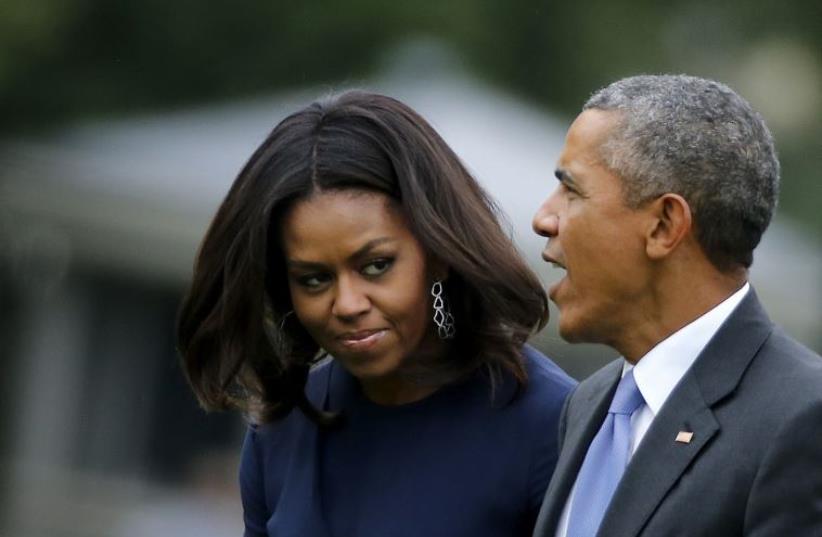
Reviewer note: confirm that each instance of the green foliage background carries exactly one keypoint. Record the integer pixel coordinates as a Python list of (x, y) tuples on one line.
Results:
[(62, 60)]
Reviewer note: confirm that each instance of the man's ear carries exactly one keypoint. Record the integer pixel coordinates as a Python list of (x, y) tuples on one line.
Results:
[(671, 223)]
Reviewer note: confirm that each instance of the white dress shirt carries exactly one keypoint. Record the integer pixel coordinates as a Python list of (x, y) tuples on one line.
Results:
[(660, 370)]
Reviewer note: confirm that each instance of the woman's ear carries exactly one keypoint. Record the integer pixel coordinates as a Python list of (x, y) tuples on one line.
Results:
[(438, 270), (671, 222)]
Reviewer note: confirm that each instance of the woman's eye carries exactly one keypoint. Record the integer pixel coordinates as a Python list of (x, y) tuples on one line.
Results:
[(377, 267), (312, 281)]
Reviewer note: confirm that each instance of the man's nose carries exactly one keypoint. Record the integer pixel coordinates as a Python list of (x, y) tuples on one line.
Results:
[(350, 300), (546, 221)]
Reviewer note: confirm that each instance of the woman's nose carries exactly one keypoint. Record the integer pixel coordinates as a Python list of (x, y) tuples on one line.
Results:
[(350, 300)]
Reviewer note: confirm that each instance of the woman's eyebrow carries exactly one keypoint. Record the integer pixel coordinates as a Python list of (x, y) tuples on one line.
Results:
[(370, 245), (361, 252)]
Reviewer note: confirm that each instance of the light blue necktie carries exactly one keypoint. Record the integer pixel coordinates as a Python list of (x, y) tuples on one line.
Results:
[(605, 461)]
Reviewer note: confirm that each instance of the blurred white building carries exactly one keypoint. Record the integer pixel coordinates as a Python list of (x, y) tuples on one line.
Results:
[(99, 225)]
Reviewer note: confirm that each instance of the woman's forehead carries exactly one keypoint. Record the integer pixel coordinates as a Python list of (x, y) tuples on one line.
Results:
[(341, 221)]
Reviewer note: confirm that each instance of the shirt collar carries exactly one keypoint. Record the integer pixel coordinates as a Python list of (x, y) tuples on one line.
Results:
[(660, 370)]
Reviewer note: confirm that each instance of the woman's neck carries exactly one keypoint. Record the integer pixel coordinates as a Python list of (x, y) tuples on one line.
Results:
[(396, 391), (419, 378)]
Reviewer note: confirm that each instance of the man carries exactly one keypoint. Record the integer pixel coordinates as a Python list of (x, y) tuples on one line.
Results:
[(710, 424)]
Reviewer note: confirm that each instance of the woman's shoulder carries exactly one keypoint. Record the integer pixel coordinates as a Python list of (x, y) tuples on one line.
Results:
[(540, 400), (545, 377), (316, 388), (270, 449)]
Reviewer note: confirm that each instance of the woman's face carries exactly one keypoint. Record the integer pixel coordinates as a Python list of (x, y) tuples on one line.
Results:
[(359, 281)]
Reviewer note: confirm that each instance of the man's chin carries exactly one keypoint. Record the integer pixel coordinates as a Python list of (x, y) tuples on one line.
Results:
[(569, 337), (570, 332)]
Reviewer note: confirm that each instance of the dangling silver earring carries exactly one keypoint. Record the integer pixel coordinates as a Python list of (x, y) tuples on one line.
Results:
[(442, 313)]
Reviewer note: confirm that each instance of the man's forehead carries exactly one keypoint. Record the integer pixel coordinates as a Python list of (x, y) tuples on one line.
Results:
[(585, 137), (593, 126)]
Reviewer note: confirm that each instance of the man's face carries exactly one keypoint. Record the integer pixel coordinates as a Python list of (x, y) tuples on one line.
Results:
[(595, 238)]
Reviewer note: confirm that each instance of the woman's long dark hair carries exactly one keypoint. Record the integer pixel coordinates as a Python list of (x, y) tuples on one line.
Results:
[(240, 346)]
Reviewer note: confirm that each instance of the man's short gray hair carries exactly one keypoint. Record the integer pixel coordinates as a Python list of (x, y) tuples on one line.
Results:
[(699, 139)]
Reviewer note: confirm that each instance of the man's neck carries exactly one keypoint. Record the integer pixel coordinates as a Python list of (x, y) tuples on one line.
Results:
[(674, 305)]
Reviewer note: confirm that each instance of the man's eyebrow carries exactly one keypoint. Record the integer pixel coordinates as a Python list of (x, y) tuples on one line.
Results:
[(361, 252)]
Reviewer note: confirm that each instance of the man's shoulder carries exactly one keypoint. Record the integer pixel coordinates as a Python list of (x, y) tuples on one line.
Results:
[(802, 357), (790, 367)]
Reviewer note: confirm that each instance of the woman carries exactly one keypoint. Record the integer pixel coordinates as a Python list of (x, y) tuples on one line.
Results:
[(354, 232)]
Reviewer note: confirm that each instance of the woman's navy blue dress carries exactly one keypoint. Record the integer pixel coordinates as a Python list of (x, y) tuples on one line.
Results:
[(455, 464)]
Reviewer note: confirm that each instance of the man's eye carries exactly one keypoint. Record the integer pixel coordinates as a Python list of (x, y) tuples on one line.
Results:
[(568, 190), (377, 267)]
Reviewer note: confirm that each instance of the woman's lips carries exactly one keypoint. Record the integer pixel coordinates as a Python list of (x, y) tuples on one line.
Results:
[(361, 340)]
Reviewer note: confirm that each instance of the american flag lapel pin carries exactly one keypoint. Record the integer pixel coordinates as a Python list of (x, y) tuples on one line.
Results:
[(684, 437)]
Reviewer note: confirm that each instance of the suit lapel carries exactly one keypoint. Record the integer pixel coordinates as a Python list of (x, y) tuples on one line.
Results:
[(586, 411), (660, 460)]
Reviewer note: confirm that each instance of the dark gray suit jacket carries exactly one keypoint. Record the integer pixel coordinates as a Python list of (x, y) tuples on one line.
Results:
[(753, 400)]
